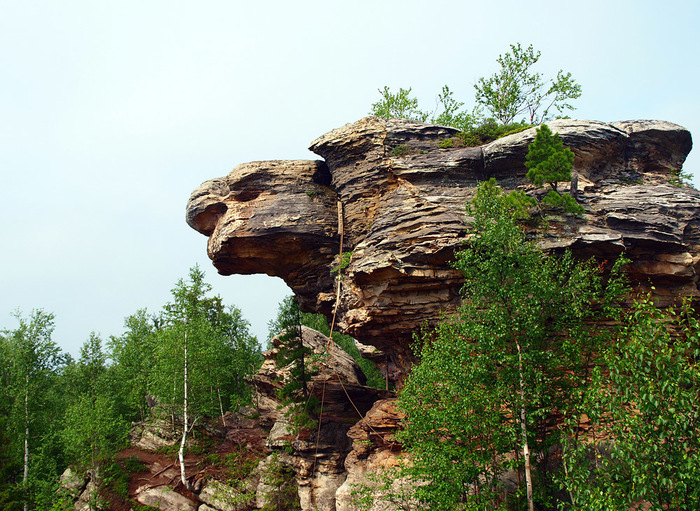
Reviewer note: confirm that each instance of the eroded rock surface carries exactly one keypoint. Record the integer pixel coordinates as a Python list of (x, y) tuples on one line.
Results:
[(318, 458), (401, 201)]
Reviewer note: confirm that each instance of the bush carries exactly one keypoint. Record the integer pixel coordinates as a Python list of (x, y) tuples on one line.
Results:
[(446, 143), (488, 131), (564, 201)]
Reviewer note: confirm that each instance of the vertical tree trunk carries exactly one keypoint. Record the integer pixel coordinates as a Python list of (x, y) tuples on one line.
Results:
[(25, 475), (523, 426), (181, 453), (221, 406)]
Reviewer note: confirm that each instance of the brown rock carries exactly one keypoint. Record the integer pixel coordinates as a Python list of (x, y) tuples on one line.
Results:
[(403, 217)]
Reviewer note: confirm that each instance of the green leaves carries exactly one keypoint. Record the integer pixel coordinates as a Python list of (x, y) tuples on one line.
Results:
[(397, 105), (548, 160), (515, 90), (221, 351), (647, 405), (522, 341)]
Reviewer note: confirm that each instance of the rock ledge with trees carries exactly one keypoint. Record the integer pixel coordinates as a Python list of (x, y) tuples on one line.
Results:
[(401, 190)]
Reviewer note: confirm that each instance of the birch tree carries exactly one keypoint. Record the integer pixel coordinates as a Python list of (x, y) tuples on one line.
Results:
[(202, 355), (33, 361), (516, 90), (491, 380)]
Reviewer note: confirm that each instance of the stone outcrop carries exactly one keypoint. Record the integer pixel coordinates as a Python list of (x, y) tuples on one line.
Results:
[(318, 458), (398, 194), (375, 454)]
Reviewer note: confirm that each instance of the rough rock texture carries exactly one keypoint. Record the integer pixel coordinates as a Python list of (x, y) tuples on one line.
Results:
[(165, 499), (375, 452), (402, 214), (318, 457)]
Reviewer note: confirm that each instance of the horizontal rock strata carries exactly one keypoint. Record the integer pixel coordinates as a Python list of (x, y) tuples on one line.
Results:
[(399, 195)]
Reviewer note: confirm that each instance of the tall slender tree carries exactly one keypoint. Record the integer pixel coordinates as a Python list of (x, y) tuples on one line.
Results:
[(34, 360), (491, 380), (194, 348)]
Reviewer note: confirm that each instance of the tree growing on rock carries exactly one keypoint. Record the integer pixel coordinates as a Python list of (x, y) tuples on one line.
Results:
[(490, 381), (547, 160), (515, 90), (194, 371)]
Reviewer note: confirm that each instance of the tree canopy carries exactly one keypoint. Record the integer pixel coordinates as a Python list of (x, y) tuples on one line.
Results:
[(490, 381), (547, 160), (515, 90)]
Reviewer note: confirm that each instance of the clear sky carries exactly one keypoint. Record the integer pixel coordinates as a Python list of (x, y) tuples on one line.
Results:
[(111, 113)]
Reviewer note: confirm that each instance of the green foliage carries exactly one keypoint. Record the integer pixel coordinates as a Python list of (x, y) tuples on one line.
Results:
[(294, 392), (548, 160), (400, 150), (344, 262), (240, 464), (319, 323), (516, 354), (116, 474), (519, 204), (93, 429), (516, 204), (564, 201), (132, 355), (451, 113), (679, 177), (78, 412), (515, 90), (643, 442), (389, 486), (32, 398), (446, 143), (140, 507), (292, 352), (489, 130), (221, 353), (398, 105), (282, 494)]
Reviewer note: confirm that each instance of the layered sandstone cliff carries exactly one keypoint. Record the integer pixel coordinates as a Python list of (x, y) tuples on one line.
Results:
[(399, 195)]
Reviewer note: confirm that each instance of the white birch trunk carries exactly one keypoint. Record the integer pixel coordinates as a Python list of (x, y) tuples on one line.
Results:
[(221, 406), (523, 426), (181, 453)]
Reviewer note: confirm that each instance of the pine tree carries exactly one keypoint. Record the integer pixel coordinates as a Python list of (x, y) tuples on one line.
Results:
[(548, 160)]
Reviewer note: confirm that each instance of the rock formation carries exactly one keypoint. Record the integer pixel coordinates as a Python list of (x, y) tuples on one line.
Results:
[(285, 465), (397, 192), (318, 456)]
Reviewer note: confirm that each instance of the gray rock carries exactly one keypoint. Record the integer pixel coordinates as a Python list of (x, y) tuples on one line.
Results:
[(223, 497), (165, 499), (72, 483)]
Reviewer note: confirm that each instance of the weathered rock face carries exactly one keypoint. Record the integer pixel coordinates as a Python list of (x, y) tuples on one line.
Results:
[(318, 458), (401, 201)]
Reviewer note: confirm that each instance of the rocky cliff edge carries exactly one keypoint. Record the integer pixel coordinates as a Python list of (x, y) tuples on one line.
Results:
[(397, 189)]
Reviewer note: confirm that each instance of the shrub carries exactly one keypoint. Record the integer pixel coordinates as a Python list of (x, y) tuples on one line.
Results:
[(488, 131), (564, 201), (446, 143), (400, 150)]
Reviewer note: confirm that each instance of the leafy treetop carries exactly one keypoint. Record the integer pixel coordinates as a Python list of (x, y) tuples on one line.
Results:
[(516, 90), (548, 160)]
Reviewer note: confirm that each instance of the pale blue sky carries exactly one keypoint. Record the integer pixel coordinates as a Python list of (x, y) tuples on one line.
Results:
[(113, 112)]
